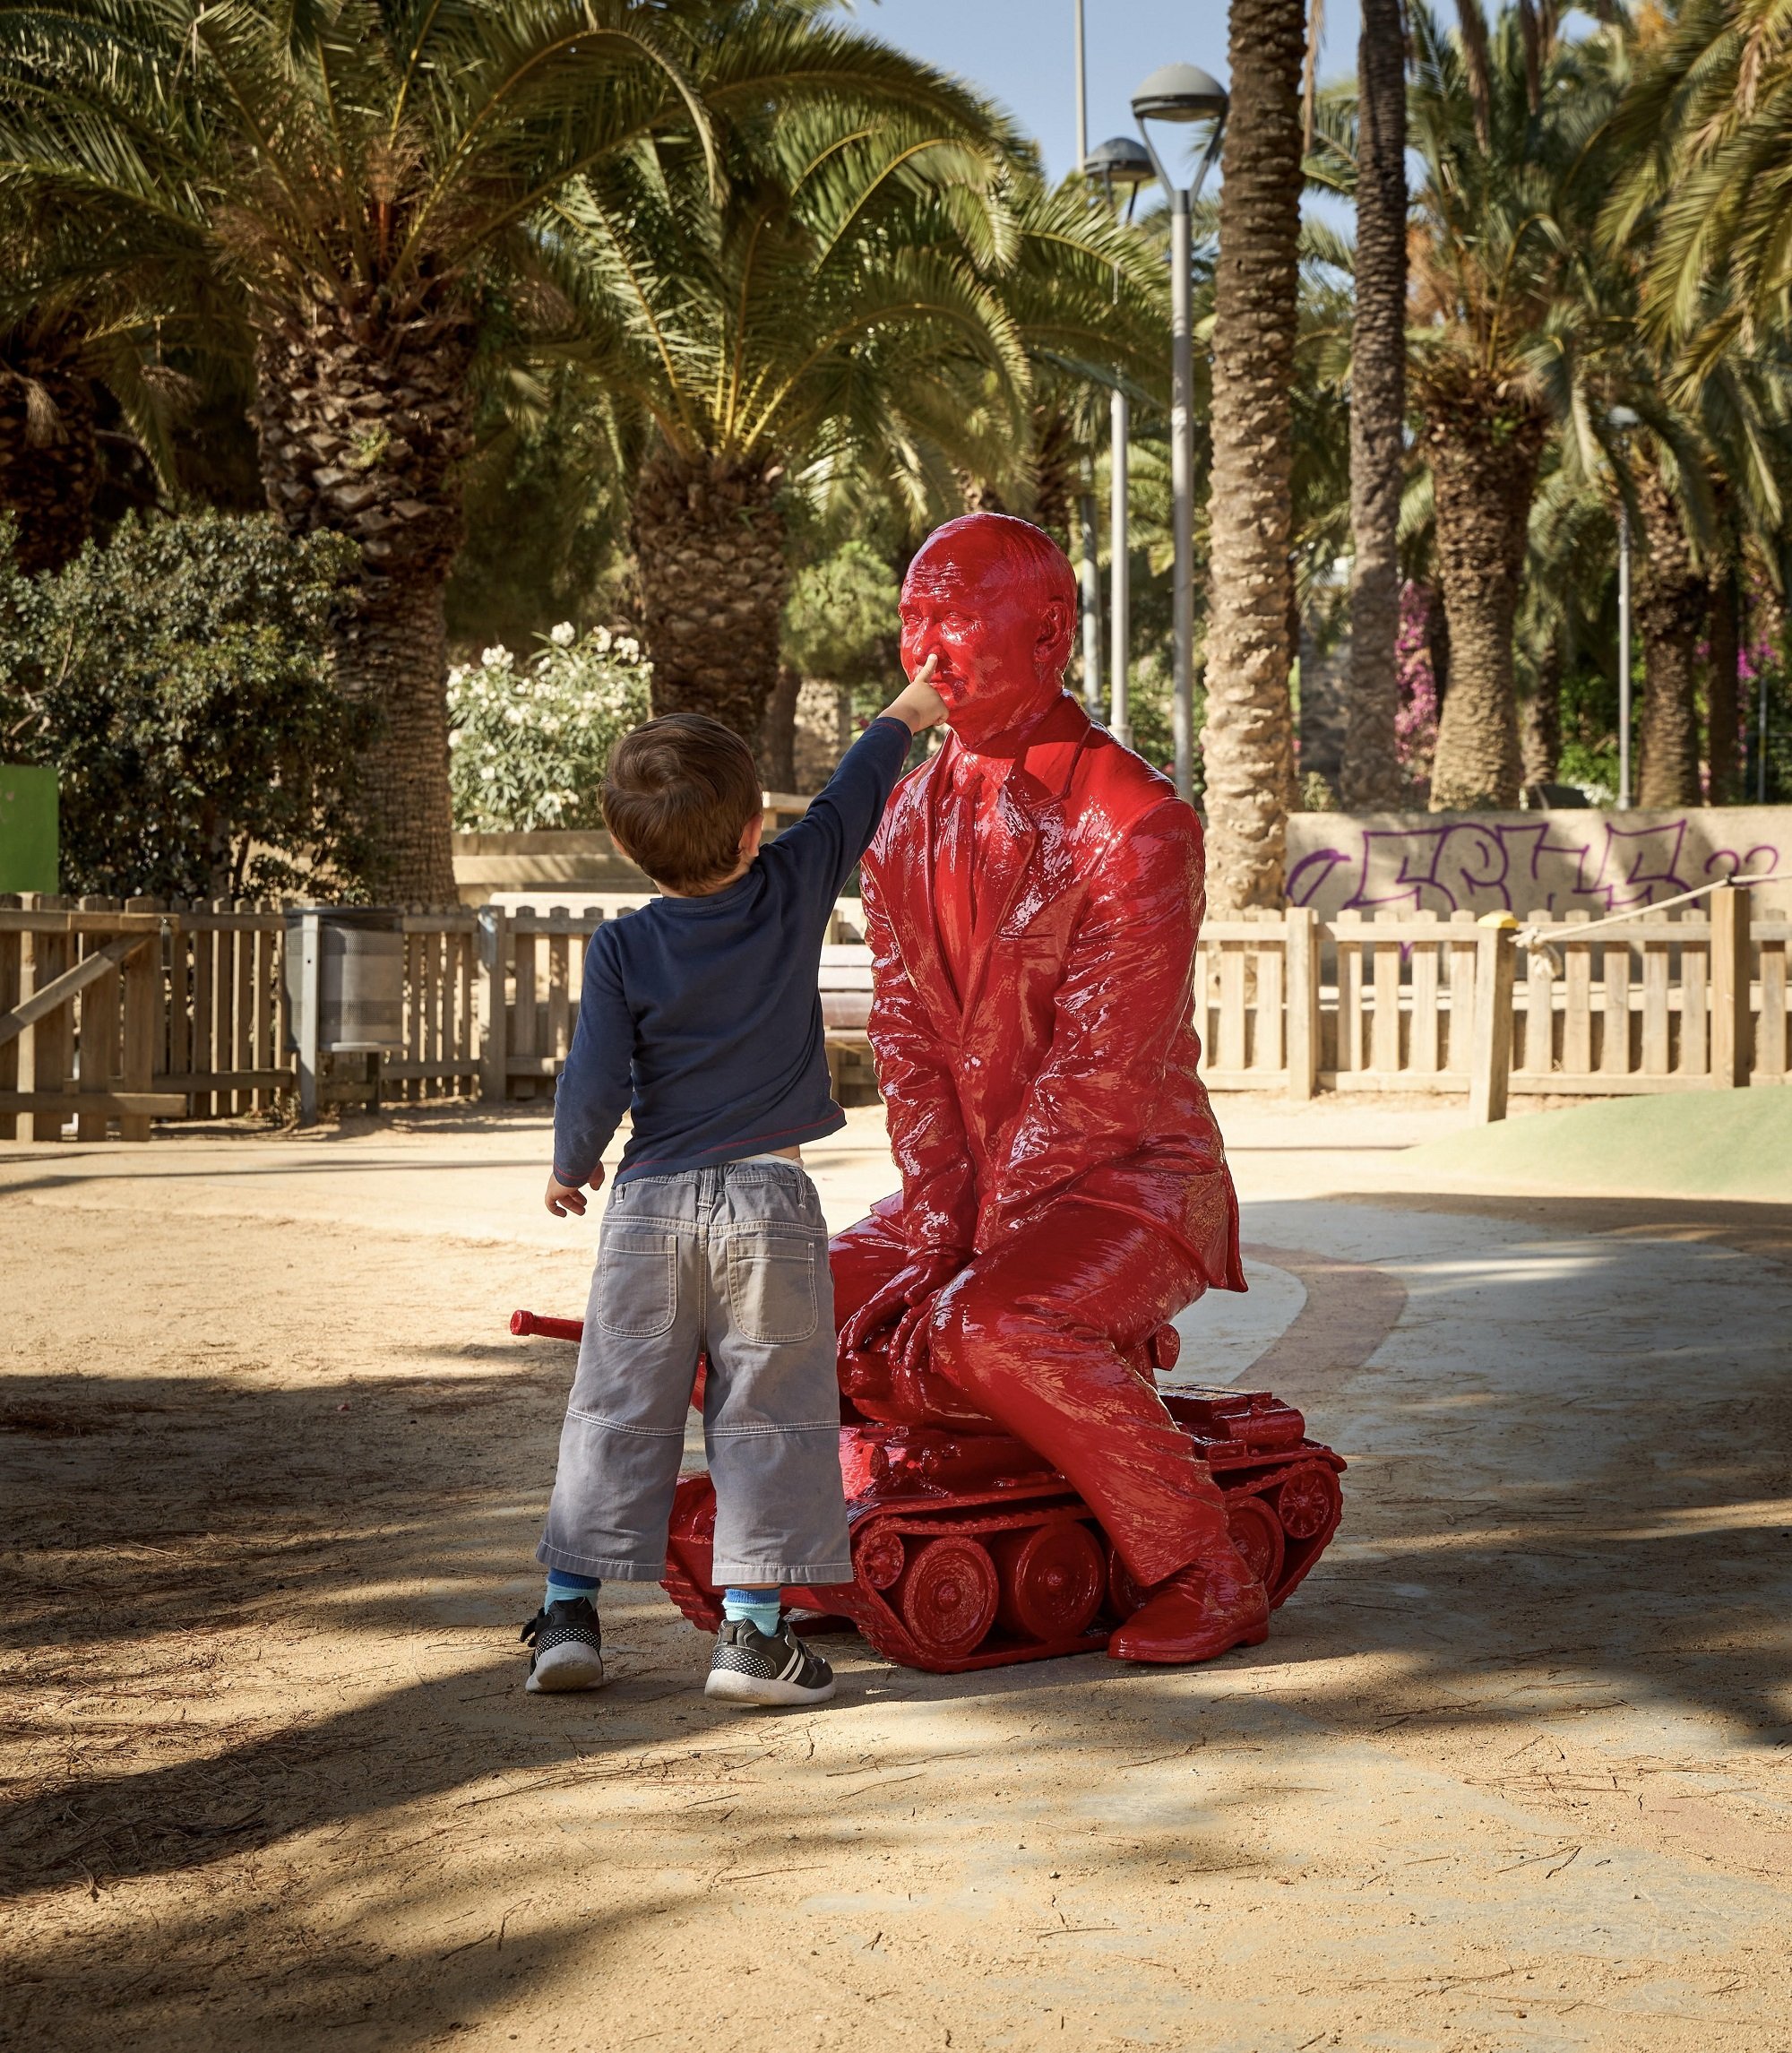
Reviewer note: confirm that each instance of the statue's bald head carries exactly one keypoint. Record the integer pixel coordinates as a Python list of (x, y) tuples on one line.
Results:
[(994, 599)]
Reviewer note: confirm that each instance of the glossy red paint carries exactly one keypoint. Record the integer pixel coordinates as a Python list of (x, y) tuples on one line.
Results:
[(1032, 902)]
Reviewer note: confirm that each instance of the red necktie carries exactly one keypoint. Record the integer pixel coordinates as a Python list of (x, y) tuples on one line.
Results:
[(955, 866)]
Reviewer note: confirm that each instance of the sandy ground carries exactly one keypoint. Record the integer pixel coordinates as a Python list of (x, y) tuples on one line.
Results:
[(1514, 1771)]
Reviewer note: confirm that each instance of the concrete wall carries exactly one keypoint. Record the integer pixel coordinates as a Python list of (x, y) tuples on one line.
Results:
[(1560, 862)]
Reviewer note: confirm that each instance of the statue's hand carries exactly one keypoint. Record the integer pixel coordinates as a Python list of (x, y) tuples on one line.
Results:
[(902, 1302)]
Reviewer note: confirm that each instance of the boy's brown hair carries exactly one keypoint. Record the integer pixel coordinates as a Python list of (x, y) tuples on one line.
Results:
[(676, 794)]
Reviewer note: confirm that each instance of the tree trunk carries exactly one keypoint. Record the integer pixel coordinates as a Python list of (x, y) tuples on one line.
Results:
[(49, 454), (1247, 746), (363, 422), (778, 736), (1670, 610), (1725, 635), (1540, 721), (1484, 442), (708, 540), (1371, 780)]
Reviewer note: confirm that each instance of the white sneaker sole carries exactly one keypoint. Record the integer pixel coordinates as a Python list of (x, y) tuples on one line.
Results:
[(567, 1666), (729, 1686)]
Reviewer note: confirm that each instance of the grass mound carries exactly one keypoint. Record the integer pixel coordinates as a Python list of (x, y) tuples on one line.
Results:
[(1716, 1143)]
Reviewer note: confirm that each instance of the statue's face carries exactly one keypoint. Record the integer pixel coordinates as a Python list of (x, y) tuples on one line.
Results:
[(1002, 650)]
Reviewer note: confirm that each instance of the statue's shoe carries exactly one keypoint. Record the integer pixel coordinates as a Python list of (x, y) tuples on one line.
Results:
[(1198, 1613)]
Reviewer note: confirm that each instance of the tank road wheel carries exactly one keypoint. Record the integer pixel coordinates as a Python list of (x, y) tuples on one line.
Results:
[(1308, 1503), (948, 1598), (1053, 1580), (879, 1557), (1257, 1534)]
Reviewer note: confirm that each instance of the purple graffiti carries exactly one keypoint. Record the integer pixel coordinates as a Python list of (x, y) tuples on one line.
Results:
[(1553, 863)]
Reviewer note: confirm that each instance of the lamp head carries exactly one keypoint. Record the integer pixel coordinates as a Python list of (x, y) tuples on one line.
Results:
[(1120, 162), (1180, 92)]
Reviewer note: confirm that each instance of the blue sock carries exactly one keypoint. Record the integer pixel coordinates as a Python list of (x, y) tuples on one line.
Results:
[(562, 1584), (761, 1608)]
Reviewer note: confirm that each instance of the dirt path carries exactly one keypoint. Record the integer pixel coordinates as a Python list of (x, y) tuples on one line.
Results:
[(1514, 1768)]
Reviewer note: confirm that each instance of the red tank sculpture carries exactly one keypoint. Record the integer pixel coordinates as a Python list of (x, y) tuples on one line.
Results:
[(971, 1552), (1032, 902)]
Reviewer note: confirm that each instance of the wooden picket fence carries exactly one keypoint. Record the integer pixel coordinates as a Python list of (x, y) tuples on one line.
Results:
[(1681, 1000), (112, 1014), (177, 1009)]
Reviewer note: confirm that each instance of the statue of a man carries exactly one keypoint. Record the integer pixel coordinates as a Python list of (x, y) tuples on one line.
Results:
[(1032, 901)]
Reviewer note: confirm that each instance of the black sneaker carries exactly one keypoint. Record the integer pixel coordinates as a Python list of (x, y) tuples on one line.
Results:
[(751, 1667), (567, 1647)]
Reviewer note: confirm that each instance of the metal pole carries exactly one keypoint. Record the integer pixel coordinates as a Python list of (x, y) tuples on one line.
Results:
[(310, 976), (1624, 658), (1181, 483), (1091, 605), (1119, 722), (1081, 96)]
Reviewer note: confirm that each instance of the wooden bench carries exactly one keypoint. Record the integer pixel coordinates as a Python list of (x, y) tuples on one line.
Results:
[(845, 981)]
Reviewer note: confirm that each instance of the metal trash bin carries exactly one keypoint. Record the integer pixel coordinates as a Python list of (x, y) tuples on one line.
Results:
[(344, 987)]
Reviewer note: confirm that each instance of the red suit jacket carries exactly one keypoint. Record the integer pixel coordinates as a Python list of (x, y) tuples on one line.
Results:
[(1070, 1064)]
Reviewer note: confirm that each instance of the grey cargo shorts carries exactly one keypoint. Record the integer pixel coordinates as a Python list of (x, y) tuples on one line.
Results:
[(732, 1260)]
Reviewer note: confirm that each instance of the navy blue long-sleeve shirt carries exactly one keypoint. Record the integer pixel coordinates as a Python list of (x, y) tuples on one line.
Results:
[(702, 1017)]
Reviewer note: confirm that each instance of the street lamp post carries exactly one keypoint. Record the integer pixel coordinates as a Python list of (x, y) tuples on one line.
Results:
[(1181, 93), (1121, 164), (1623, 418)]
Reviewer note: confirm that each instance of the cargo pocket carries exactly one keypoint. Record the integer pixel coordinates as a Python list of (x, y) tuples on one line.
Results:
[(771, 1286), (637, 1284)]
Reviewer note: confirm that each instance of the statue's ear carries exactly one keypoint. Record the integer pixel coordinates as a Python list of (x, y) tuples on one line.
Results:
[(1057, 630)]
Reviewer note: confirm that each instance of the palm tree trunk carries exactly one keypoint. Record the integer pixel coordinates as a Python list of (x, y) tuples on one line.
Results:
[(1247, 746), (778, 736), (363, 422), (1371, 779), (1540, 721), (1671, 602), (1484, 443), (49, 455), (1720, 698), (708, 541)]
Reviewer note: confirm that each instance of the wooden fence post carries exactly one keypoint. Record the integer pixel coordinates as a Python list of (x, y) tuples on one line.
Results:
[(1490, 1061), (143, 1020), (15, 975), (495, 1057), (1301, 986), (1731, 1037)]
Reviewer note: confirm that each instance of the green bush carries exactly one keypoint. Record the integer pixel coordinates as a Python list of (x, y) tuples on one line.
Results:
[(529, 742), (179, 680)]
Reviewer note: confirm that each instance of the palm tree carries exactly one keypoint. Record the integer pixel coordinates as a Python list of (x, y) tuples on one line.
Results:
[(865, 298), (1499, 138), (1708, 128), (368, 177), (1372, 776), (1247, 745)]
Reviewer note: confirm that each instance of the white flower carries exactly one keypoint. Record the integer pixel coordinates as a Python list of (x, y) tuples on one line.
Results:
[(562, 636), (601, 639), (514, 714), (487, 772), (628, 648), (456, 737), (497, 658)]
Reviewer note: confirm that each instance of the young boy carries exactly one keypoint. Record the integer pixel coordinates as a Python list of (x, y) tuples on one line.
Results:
[(701, 1015)]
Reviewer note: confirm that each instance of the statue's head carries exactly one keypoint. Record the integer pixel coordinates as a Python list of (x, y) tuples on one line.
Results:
[(994, 599)]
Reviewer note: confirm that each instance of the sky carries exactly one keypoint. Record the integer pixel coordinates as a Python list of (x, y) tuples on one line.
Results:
[(1022, 53)]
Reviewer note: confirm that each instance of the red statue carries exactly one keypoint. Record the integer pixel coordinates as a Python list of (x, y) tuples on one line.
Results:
[(1032, 901), (1016, 1486)]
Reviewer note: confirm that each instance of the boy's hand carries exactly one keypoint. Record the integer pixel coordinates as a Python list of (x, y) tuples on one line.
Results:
[(919, 706), (563, 1198)]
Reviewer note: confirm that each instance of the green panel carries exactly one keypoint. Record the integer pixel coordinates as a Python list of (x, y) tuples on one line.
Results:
[(28, 829)]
